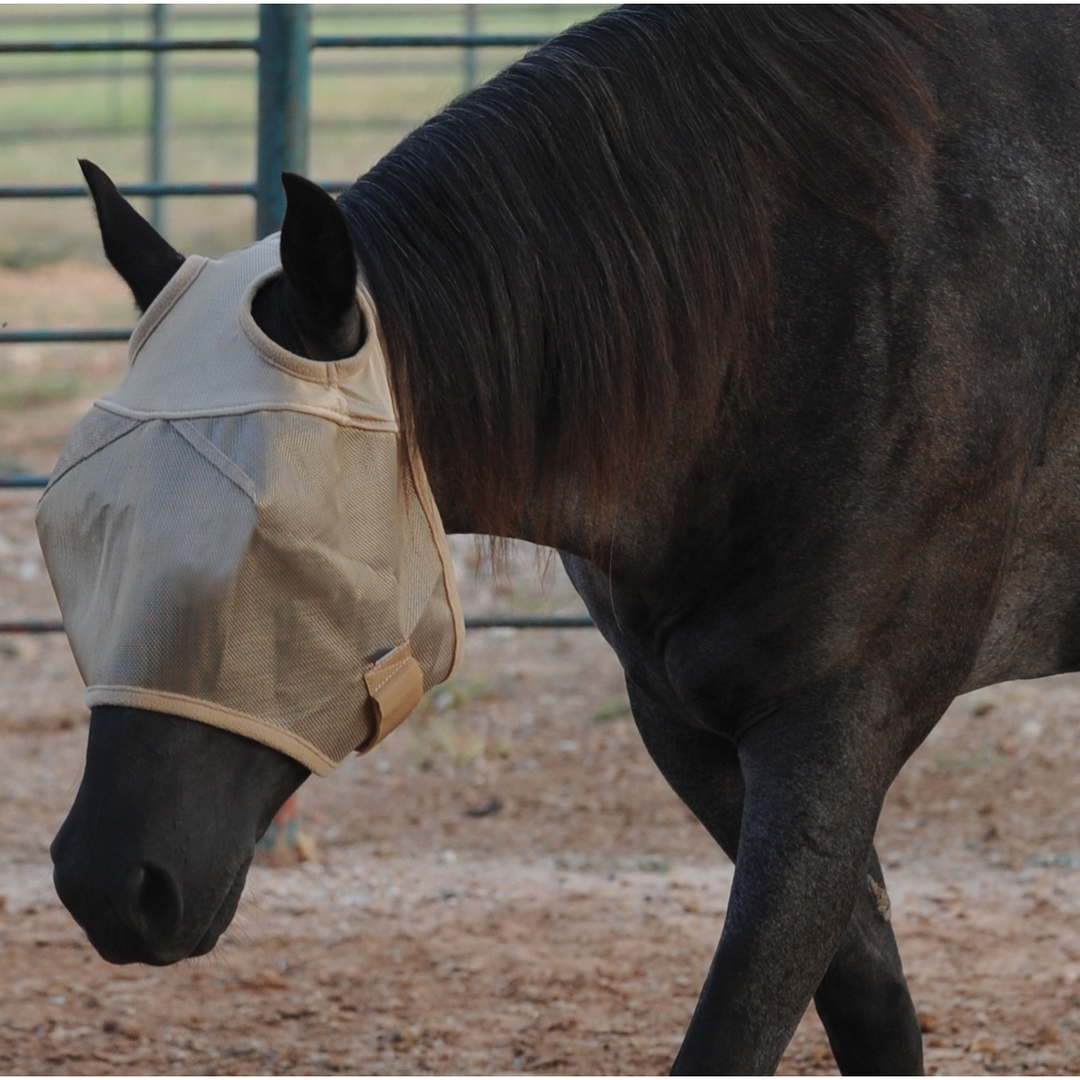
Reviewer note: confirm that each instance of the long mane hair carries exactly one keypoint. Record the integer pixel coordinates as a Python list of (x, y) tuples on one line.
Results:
[(573, 263)]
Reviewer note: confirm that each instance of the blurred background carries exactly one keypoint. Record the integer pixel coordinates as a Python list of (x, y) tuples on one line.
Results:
[(507, 884), (181, 118), (57, 107)]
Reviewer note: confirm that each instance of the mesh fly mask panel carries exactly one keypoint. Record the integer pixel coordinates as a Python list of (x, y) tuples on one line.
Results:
[(237, 535)]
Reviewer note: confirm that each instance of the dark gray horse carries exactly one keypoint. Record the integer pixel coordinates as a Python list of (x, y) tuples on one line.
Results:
[(768, 320)]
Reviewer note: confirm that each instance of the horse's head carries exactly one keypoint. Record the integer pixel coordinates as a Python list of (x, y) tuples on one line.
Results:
[(251, 569)]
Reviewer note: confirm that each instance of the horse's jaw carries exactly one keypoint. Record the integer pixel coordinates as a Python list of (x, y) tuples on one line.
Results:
[(154, 854)]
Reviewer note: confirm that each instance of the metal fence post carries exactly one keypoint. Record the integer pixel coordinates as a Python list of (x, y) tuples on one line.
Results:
[(284, 99), (472, 21), (158, 106)]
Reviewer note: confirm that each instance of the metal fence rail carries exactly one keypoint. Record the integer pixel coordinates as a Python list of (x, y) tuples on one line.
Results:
[(317, 41), (472, 622), (78, 191), (23, 481)]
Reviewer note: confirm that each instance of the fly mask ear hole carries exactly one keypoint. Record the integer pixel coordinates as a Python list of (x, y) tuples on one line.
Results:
[(319, 288)]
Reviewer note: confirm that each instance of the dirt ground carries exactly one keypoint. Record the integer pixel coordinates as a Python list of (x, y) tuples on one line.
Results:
[(507, 884)]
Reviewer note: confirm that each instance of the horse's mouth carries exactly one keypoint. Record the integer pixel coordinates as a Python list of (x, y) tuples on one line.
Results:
[(128, 946), (225, 912)]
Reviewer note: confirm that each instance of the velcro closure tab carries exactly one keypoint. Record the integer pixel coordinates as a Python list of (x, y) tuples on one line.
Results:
[(396, 685)]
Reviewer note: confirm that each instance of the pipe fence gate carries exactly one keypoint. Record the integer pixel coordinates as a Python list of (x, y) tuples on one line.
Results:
[(283, 49)]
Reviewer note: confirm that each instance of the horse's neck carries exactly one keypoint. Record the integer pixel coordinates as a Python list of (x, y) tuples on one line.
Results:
[(635, 541), (449, 485)]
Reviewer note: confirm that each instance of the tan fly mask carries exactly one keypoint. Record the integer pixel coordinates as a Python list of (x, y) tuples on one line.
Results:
[(237, 534)]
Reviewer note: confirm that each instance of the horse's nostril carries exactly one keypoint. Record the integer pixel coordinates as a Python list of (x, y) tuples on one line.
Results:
[(155, 903)]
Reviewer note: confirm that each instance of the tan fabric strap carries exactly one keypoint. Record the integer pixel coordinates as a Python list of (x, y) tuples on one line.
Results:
[(396, 685)]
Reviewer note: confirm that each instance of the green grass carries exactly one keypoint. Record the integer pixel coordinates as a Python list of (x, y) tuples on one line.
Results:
[(11, 464), (982, 758), (443, 730), (458, 690), (448, 740), (611, 710), (56, 108), (25, 389)]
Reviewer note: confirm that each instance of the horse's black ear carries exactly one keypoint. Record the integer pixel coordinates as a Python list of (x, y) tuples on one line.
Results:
[(138, 252), (319, 262)]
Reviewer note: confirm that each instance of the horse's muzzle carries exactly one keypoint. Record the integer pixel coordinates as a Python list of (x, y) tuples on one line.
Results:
[(154, 854)]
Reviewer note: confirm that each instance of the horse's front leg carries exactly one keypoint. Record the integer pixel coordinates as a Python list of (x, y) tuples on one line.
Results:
[(863, 999), (815, 780)]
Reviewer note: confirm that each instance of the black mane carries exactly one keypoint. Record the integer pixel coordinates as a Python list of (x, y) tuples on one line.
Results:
[(573, 262)]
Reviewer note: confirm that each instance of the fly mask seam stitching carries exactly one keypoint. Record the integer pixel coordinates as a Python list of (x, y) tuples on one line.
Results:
[(270, 352), (114, 437), (342, 420), (163, 303), (210, 453)]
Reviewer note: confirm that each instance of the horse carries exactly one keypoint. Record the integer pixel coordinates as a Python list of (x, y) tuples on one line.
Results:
[(768, 321)]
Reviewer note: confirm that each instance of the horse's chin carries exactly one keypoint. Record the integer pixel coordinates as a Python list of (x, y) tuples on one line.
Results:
[(224, 914)]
